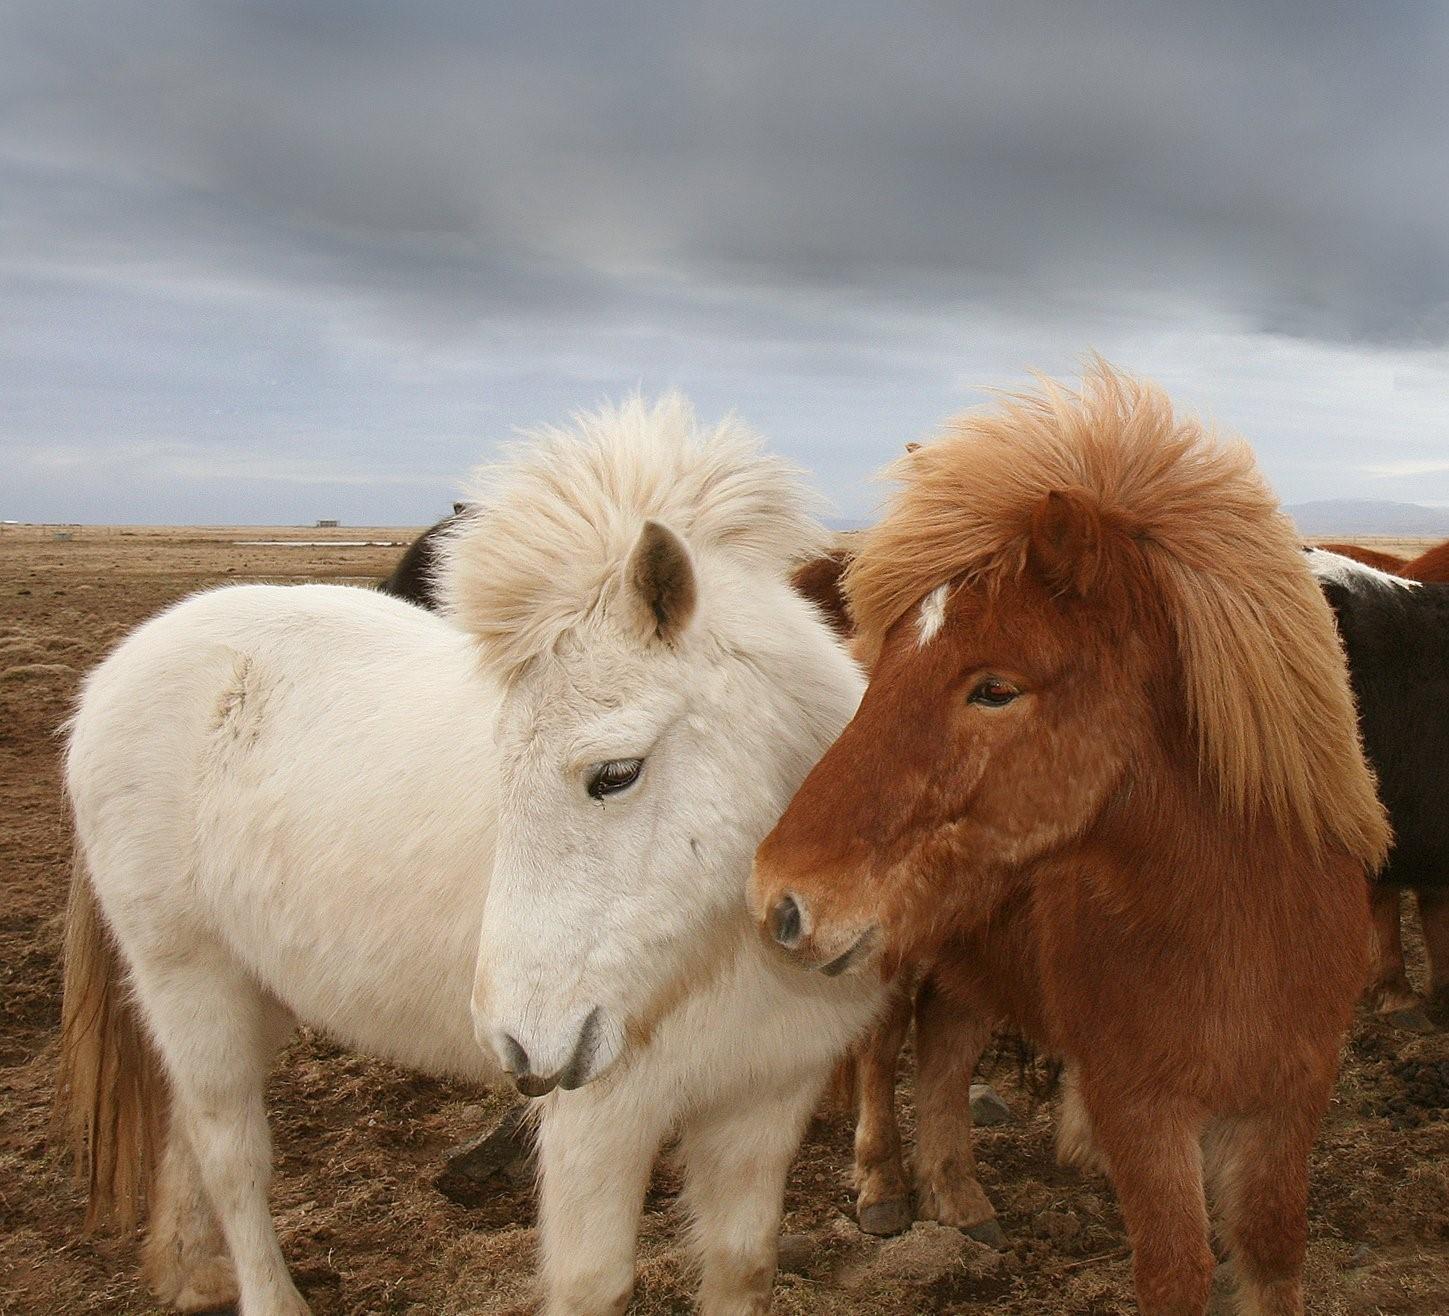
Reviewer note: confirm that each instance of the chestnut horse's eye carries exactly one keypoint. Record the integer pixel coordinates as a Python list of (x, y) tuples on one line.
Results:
[(612, 777), (993, 692)]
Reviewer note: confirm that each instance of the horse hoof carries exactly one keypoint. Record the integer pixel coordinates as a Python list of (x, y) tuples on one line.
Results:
[(883, 1218), (1410, 1021), (988, 1232)]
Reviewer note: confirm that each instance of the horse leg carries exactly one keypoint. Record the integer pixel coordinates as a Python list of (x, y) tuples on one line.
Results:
[(1434, 916), (883, 1201), (735, 1163), (1076, 1141), (217, 1034), (949, 1042), (595, 1154), (184, 1260), (1390, 990), (1258, 1168), (1155, 1159)]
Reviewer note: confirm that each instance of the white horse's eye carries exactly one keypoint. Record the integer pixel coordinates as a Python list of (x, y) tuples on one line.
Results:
[(612, 777)]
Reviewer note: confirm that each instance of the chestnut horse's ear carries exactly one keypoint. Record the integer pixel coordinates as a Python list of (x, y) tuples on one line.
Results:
[(660, 577), (1066, 548)]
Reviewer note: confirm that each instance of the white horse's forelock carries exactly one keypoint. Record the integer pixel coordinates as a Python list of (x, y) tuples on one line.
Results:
[(554, 523)]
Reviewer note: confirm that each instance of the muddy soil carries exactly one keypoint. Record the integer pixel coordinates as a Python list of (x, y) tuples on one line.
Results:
[(359, 1143)]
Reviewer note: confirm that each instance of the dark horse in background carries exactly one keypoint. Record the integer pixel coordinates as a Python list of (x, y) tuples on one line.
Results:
[(1396, 634), (412, 578)]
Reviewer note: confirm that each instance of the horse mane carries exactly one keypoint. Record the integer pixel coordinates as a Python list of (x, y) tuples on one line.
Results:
[(1261, 666), (552, 525)]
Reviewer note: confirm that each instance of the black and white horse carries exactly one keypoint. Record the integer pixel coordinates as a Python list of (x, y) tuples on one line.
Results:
[(1396, 634)]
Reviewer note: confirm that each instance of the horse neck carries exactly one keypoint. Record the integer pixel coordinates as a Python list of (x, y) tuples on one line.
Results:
[(1165, 839)]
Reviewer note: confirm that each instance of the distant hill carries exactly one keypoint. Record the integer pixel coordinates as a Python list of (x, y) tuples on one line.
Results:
[(1362, 516)]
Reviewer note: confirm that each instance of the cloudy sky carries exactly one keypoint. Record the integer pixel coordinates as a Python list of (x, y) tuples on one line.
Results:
[(270, 261)]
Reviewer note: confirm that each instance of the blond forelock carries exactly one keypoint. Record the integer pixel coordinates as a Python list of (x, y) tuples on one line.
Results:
[(553, 524)]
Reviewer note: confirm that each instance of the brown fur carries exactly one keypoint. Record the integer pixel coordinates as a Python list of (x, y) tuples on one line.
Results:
[(1370, 557), (111, 1094), (1432, 565), (1153, 860), (820, 581)]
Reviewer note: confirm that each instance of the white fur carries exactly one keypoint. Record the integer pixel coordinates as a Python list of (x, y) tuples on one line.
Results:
[(932, 615), (314, 803), (1352, 574)]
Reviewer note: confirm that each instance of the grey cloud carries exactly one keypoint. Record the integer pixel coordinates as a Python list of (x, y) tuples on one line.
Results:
[(380, 234)]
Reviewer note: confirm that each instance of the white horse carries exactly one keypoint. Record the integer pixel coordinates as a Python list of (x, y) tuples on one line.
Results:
[(516, 838)]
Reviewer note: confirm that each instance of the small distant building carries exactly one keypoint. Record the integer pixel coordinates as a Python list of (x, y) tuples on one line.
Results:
[(328, 524)]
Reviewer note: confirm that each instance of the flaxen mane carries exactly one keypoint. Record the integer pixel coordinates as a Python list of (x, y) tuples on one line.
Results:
[(1261, 665), (554, 525)]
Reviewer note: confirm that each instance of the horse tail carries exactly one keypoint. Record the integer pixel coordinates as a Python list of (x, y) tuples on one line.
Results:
[(111, 1091)]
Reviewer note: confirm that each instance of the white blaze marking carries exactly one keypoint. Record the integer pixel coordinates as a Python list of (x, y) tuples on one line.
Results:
[(933, 615)]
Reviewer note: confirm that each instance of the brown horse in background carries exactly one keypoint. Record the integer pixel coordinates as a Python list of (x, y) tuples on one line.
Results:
[(1370, 557), (1432, 565), (1106, 780)]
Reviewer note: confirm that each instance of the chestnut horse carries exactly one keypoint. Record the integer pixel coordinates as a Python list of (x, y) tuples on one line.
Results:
[(1432, 565), (1106, 779)]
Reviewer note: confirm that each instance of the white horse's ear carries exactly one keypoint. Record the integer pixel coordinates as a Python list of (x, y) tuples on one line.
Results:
[(660, 578)]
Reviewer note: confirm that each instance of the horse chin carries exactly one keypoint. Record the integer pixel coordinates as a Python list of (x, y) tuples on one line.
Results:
[(862, 954)]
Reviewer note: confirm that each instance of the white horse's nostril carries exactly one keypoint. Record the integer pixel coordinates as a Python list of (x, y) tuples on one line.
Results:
[(515, 1058), (575, 1071)]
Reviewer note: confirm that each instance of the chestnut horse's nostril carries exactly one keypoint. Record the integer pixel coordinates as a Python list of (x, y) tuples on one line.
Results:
[(785, 923)]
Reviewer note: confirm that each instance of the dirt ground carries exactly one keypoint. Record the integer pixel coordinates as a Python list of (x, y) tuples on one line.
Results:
[(359, 1143)]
